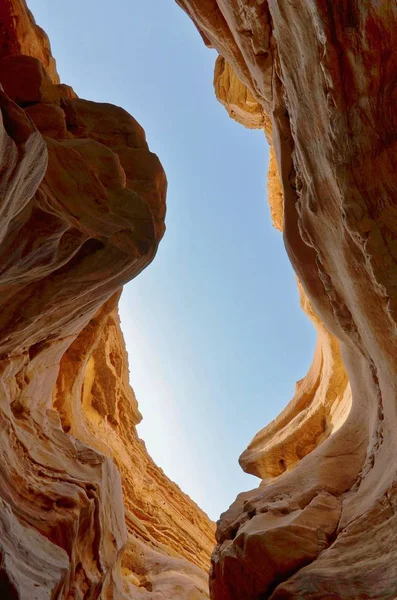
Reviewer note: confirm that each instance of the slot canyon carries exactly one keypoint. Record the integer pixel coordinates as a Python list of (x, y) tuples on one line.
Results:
[(85, 513)]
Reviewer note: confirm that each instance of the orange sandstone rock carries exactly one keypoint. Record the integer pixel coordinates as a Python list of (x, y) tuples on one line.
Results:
[(21, 35), (324, 75), (84, 511)]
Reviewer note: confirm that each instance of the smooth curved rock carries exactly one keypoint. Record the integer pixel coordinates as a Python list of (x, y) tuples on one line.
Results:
[(324, 73), (84, 511)]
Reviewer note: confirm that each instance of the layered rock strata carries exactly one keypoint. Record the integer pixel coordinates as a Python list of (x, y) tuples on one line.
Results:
[(84, 511), (320, 78)]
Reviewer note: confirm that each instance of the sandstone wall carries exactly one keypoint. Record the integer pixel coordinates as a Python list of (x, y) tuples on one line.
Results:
[(320, 78), (84, 511)]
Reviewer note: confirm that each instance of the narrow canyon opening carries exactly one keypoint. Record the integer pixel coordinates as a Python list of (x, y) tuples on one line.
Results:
[(212, 325), (83, 205)]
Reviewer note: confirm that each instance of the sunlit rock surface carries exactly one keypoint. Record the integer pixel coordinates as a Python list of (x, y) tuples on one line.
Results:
[(84, 511), (320, 78)]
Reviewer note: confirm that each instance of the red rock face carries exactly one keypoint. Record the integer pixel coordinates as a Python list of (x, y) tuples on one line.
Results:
[(82, 212), (322, 524)]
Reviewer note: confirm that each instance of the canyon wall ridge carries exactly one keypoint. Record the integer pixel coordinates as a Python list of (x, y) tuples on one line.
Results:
[(84, 511), (83, 210), (320, 78)]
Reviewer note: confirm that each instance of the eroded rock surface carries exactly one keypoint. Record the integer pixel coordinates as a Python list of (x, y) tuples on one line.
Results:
[(320, 78), (84, 511)]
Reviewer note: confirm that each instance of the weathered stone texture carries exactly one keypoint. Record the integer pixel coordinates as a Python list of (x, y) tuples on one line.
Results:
[(322, 523), (84, 511)]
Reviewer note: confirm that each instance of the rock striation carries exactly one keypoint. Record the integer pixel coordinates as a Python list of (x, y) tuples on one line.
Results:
[(320, 78), (84, 511)]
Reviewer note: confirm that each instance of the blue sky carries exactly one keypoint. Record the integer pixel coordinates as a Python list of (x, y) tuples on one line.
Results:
[(214, 332)]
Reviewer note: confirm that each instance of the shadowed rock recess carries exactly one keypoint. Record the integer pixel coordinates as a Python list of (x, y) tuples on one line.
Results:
[(84, 511), (320, 77)]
